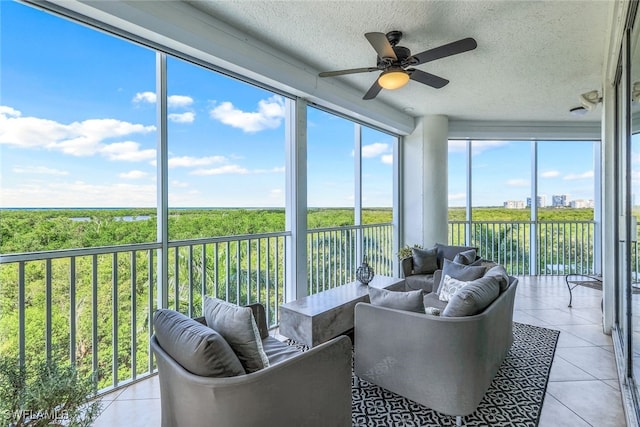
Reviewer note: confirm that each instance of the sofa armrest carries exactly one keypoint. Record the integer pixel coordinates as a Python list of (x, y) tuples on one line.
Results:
[(437, 277), (311, 389), (407, 266)]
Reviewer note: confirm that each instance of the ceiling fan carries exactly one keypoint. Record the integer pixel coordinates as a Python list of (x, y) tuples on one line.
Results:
[(394, 62)]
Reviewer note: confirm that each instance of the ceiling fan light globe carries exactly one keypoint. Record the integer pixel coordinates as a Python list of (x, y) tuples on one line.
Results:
[(393, 79)]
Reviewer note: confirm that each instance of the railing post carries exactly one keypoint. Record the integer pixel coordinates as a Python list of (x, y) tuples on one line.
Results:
[(468, 211), (357, 155), (296, 198), (533, 240), (162, 158)]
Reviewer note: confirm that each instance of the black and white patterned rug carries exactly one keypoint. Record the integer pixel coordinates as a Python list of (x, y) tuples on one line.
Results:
[(514, 398)]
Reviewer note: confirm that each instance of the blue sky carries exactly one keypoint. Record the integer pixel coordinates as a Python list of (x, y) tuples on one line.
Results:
[(78, 129), (501, 171)]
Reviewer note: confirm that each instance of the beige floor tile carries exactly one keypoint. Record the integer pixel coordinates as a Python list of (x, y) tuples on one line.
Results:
[(567, 339), (590, 333), (555, 414), (593, 360), (593, 401), (558, 317), (131, 413), (561, 370), (147, 389)]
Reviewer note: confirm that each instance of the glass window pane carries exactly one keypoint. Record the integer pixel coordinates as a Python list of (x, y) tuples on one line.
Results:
[(377, 176), (226, 154), (330, 170)]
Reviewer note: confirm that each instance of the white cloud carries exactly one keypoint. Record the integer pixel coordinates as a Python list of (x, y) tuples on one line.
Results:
[(550, 174), (39, 170), (179, 184), (374, 150), (78, 194), (188, 162), (573, 177), (235, 170), (148, 97), (457, 196), (187, 117), (178, 101), (477, 147), (387, 159), (222, 170), (518, 183), (127, 151), (269, 115), (85, 138), (134, 174)]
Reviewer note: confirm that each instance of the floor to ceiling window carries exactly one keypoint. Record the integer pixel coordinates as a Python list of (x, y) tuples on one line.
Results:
[(532, 226)]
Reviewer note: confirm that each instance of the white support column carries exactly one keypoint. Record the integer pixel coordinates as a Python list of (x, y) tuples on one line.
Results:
[(425, 182), (533, 241), (435, 197), (162, 156), (296, 199), (357, 156)]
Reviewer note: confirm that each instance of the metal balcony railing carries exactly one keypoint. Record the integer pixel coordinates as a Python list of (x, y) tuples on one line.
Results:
[(559, 247), (93, 307), (332, 257)]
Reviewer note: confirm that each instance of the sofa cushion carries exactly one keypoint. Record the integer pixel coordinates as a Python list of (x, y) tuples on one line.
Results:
[(449, 252), (449, 287), (277, 351), (419, 281), (425, 261), (500, 273), (198, 348), (465, 257), (408, 301), (431, 300), (473, 298), (465, 273), (237, 325)]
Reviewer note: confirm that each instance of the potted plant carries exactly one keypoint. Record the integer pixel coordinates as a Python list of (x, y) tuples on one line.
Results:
[(50, 394), (405, 252)]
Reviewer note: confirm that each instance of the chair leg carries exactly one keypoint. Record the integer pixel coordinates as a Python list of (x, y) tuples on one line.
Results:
[(458, 421)]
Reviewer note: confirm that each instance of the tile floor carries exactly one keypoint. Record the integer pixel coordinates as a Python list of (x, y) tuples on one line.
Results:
[(583, 386)]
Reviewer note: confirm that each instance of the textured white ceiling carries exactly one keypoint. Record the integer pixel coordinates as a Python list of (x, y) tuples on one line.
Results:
[(533, 58)]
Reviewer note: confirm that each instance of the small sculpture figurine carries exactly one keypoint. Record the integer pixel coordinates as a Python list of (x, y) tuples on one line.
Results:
[(364, 273)]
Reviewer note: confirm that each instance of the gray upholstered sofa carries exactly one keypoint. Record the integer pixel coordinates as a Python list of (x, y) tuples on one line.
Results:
[(444, 363), (311, 388), (415, 279)]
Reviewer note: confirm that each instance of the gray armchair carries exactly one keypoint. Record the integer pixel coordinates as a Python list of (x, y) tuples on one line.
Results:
[(311, 388), (444, 363)]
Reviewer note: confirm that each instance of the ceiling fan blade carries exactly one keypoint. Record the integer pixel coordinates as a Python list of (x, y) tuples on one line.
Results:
[(351, 71), (427, 78), (453, 48), (373, 91), (381, 45)]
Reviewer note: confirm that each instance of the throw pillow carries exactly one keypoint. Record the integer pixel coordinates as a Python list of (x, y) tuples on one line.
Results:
[(425, 261), (237, 325), (449, 252), (198, 348), (449, 287), (500, 273), (408, 301), (473, 298), (465, 273), (465, 257)]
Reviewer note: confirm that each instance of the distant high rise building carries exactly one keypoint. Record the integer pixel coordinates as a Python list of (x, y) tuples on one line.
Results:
[(542, 201), (560, 201), (514, 204), (580, 204)]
